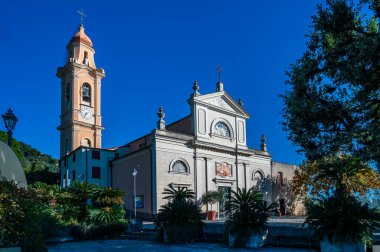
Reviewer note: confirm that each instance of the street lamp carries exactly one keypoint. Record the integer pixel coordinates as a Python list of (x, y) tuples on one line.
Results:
[(134, 174), (10, 121)]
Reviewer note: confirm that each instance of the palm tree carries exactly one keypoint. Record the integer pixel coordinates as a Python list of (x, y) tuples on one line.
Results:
[(181, 193), (180, 220), (247, 214), (343, 171), (342, 218), (107, 197), (81, 193), (211, 197)]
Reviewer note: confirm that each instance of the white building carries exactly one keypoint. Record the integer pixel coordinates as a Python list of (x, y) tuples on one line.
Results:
[(206, 150)]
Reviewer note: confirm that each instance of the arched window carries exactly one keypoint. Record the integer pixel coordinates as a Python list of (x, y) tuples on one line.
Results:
[(220, 128), (67, 92), (85, 58), (86, 92), (86, 142), (179, 166), (258, 175)]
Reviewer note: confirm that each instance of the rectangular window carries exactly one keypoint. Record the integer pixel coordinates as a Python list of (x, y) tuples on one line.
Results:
[(95, 172), (74, 157), (281, 178), (73, 175), (96, 154)]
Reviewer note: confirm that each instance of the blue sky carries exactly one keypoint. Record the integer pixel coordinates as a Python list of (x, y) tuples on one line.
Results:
[(152, 51)]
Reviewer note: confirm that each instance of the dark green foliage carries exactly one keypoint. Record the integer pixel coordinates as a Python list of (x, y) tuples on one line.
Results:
[(332, 111), (23, 219), (180, 220), (37, 166), (178, 193), (43, 175), (96, 231), (342, 219), (30, 216), (81, 193), (107, 196), (107, 214), (247, 214), (212, 197), (332, 105)]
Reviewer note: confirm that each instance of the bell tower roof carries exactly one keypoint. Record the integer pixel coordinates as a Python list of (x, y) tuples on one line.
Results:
[(81, 37)]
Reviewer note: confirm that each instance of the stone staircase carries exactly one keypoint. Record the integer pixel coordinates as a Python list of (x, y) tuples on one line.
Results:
[(146, 233)]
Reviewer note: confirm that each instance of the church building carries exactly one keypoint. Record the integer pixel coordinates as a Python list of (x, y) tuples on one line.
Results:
[(205, 150)]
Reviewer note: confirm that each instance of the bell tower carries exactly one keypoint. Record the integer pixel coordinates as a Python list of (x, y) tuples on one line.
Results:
[(80, 120)]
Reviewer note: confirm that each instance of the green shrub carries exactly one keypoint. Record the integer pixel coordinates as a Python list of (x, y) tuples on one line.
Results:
[(180, 220), (247, 213), (211, 197), (98, 231), (80, 194), (23, 220), (107, 214), (342, 218), (107, 197)]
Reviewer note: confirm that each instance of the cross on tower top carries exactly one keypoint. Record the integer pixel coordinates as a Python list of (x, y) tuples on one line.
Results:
[(81, 14), (219, 69)]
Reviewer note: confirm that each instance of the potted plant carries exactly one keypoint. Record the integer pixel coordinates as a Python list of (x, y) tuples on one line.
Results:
[(211, 197), (180, 220), (247, 214), (342, 223)]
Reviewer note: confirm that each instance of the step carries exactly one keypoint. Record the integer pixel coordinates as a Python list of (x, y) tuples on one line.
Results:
[(376, 237), (140, 237), (142, 233)]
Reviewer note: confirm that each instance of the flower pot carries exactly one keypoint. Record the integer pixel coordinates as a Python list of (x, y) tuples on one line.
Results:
[(166, 236), (256, 240), (327, 246), (211, 215)]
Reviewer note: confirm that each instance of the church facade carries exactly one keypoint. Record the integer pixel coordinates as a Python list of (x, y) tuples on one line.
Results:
[(205, 150)]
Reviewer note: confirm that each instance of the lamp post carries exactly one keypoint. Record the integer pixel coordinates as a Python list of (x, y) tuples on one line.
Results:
[(134, 174), (10, 121)]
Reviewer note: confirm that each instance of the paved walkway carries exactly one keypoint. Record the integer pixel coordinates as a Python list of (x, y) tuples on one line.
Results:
[(146, 246)]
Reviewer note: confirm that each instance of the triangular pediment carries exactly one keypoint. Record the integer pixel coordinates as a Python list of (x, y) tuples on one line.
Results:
[(221, 101)]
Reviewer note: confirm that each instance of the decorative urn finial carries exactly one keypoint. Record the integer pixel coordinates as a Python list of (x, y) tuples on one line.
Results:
[(263, 144), (195, 88), (161, 116)]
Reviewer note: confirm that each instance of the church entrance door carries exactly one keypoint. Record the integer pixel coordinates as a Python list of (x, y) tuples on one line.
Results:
[(226, 196)]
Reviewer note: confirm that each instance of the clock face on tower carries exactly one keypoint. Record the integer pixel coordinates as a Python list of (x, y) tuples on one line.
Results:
[(86, 113)]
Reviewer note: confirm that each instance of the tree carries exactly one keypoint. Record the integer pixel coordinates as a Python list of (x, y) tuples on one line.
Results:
[(212, 197), (180, 219), (333, 103), (81, 193), (181, 193), (247, 213), (332, 175)]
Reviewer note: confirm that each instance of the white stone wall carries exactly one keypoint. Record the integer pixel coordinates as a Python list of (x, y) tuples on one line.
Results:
[(166, 151), (209, 109)]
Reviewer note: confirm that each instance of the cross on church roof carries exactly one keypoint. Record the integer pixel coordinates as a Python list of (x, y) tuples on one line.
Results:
[(81, 14), (219, 69)]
